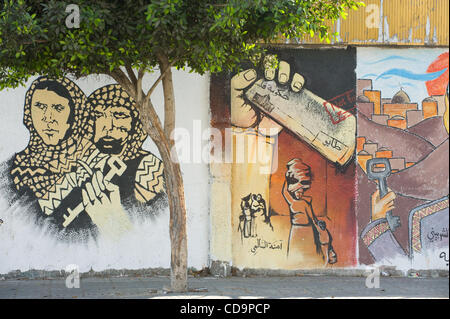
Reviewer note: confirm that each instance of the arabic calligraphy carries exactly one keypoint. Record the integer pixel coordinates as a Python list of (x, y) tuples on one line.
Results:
[(443, 255), (275, 91), (263, 244), (437, 236), (332, 143)]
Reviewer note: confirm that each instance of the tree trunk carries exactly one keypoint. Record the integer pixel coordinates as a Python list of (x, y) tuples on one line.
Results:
[(174, 183), (172, 171), (175, 193)]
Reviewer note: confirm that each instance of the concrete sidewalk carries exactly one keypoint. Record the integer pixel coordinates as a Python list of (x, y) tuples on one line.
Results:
[(232, 287)]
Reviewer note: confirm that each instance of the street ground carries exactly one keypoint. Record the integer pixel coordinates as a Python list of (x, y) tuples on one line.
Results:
[(224, 288)]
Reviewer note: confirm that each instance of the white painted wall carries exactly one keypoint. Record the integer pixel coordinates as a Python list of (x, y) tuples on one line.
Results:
[(23, 246)]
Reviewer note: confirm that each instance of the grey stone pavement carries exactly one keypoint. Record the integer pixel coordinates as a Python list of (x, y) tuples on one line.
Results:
[(231, 287)]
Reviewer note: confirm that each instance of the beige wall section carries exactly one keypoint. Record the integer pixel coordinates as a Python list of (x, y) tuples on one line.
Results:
[(392, 22), (220, 210), (251, 175)]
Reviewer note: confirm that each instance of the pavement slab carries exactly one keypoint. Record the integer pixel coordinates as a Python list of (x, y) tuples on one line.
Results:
[(230, 287)]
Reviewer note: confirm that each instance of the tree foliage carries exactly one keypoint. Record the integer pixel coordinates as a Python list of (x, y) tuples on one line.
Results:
[(204, 35)]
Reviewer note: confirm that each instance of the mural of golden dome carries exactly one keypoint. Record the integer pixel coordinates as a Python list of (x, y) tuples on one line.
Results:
[(401, 98)]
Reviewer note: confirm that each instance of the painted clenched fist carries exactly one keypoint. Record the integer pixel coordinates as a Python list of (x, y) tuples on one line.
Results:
[(245, 115)]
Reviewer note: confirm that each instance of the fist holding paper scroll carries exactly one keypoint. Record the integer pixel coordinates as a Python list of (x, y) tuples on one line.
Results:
[(287, 104)]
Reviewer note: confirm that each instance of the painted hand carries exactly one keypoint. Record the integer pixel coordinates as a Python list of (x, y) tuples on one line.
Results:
[(380, 206), (101, 199), (322, 224), (245, 115)]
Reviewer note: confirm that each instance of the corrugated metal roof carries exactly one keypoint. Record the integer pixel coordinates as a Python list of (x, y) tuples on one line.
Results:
[(392, 22)]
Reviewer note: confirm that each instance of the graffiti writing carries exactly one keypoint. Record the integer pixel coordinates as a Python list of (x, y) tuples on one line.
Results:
[(437, 236), (263, 244), (443, 255), (334, 143), (275, 91), (345, 100)]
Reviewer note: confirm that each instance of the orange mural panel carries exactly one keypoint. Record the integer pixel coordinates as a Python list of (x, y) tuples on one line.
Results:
[(301, 214)]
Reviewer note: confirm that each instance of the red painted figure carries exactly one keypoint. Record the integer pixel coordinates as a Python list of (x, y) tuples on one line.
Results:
[(308, 236)]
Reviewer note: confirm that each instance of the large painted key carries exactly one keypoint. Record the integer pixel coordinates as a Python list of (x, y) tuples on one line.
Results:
[(117, 168), (381, 175)]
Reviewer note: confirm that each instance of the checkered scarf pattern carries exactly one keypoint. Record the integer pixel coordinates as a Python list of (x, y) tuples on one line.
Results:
[(40, 166), (115, 95)]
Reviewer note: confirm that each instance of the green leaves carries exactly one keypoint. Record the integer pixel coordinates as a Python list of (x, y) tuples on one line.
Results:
[(206, 36)]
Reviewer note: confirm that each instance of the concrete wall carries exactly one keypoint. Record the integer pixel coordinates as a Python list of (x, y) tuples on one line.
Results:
[(286, 188), (288, 231), (27, 243)]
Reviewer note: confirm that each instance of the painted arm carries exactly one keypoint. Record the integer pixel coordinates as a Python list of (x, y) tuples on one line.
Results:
[(264, 209), (321, 226), (287, 196), (310, 212), (380, 241), (266, 214), (378, 235)]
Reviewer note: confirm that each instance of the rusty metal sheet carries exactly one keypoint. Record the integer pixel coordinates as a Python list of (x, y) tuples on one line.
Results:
[(391, 22)]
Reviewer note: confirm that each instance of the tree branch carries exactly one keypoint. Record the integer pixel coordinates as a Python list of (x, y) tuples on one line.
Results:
[(145, 107), (140, 93), (169, 96), (35, 41), (161, 76), (131, 74), (122, 79), (149, 117)]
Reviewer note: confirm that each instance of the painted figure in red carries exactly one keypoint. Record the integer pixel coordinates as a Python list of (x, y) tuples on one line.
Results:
[(306, 228)]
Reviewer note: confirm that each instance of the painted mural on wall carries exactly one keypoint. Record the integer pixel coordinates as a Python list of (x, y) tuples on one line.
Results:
[(296, 127), (402, 155), (84, 173), (310, 188)]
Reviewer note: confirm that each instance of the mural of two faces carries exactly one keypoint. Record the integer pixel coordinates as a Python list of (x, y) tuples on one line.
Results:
[(339, 194), (84, 173)]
